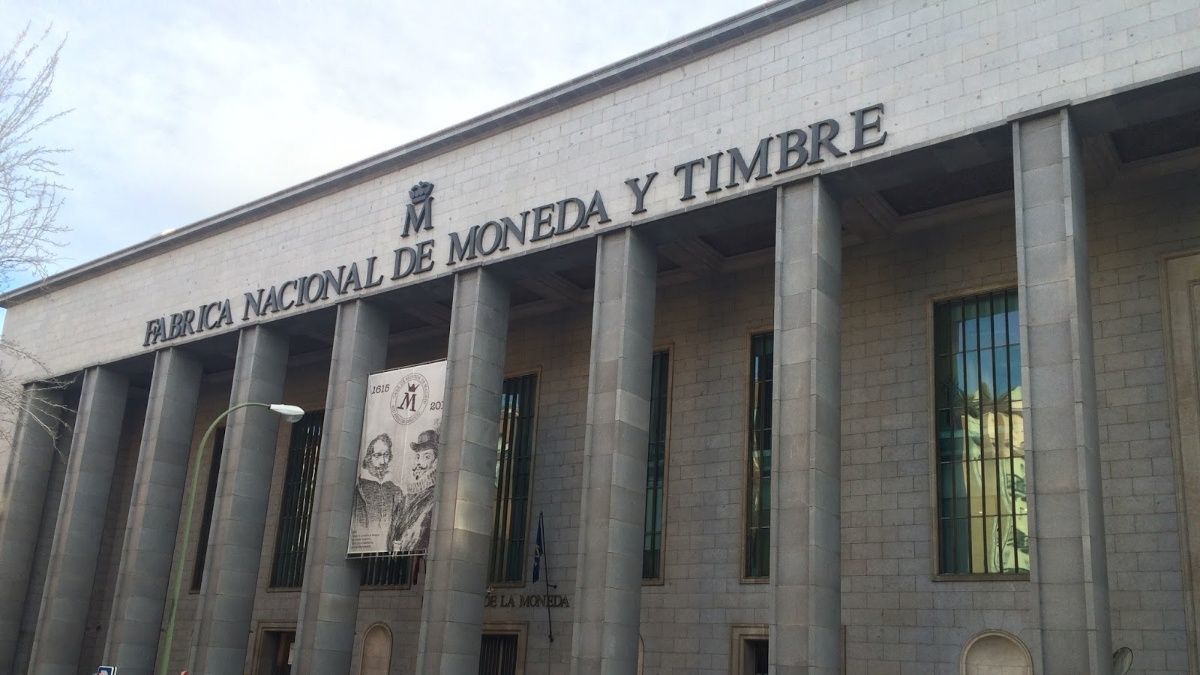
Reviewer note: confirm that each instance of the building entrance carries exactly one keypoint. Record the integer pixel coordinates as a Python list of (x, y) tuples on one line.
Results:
[(275, 651)]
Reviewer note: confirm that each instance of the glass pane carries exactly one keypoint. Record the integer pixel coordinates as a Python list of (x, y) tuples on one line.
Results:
[(1000, 322), (655, 467), (949, 446), (942, 337), (956, 318), (962, 545), (758, 460), (970, 326), (985, 323), (947, 559), (514, 464), (944, 382), (1014, 321), (1014, 373), (1021, 543), (971, 390)]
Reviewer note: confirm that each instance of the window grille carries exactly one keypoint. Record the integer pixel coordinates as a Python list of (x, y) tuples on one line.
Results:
[(514, 465), (656, 464), (300, 482), (498, 654), (758, 459), (384, 571), (982, 511)]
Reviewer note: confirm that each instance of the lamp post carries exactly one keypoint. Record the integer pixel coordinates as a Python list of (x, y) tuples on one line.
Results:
[(290, 413)]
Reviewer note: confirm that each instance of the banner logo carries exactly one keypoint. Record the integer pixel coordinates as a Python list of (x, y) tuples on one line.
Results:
[(410, 397)]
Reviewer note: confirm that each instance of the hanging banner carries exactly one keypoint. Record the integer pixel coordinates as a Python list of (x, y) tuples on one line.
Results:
[(393, 495)]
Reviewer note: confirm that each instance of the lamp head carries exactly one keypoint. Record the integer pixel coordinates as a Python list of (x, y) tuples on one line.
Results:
[(291, 413)]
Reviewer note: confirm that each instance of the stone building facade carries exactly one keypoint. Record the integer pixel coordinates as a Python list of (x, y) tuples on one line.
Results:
[(849, 336)]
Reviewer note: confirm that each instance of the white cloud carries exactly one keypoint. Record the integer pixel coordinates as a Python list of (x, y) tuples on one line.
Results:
[(183, 110)]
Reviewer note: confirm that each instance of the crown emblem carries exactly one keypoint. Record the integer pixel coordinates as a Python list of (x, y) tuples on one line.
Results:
[(420, 192), (412, 386)]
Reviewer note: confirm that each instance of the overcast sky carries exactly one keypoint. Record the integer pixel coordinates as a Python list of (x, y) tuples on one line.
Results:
[(183, 110)]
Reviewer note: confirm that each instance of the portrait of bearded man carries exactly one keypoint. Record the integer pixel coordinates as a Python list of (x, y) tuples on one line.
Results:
[(375, 496)]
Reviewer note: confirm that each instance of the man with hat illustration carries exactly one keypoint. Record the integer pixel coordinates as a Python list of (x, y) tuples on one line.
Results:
[(414, 512)]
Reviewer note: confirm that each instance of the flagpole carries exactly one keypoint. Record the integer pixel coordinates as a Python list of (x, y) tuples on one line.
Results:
[(542, 530)]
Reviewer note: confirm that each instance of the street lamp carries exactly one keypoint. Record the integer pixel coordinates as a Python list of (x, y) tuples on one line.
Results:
[(291, 413)]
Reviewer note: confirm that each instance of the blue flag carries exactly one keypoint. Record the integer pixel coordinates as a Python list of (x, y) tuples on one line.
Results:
[(539, 548)]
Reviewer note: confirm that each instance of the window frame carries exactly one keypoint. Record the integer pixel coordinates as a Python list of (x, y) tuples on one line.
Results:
[(744, 456), (935, 539), (661, 579), (533, 432)]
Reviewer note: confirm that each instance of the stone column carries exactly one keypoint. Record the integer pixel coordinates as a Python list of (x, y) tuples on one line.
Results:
[(22, 500), (142, 578), (1067, 551), (457, 562), (329, 598), (608, 585), (240, 513), (805, 594), (76, 547)]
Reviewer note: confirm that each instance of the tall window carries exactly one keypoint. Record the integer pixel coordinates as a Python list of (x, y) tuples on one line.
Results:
[(498, 654), (758, 460), (656, 464), (982, 514), (210, 499), (291, 541), (514, 465)]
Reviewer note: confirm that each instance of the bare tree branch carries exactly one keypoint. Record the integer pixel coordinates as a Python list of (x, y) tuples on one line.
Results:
[(30, 194), (30, 198)]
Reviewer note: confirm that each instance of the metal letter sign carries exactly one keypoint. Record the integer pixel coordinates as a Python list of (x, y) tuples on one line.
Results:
[(393, 494)]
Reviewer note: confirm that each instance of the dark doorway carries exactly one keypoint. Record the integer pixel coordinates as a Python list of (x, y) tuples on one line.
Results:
[(275, 652), (756, 657)]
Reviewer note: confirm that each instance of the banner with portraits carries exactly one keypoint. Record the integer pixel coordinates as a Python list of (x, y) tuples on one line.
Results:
[(393, 494)]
